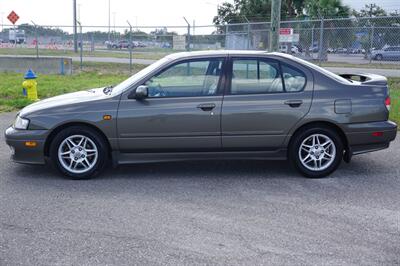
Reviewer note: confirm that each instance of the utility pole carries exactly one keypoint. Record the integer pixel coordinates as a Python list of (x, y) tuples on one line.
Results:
[(75, 28), (248, 33), (275, 25)]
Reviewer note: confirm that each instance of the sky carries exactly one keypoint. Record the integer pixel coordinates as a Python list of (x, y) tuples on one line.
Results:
[(138, 12)]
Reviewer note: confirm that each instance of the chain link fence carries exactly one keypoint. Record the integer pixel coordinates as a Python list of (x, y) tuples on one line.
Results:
[(354, 41)]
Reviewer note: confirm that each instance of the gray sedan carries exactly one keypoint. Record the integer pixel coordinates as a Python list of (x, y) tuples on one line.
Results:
[(210, 106)]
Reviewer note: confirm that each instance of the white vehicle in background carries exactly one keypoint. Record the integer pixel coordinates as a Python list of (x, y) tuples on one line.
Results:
[(16, 36), (294, 49)]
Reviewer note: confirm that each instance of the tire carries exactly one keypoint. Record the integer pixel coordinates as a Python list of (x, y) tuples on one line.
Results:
[(378, 57), (78, 152), (311, 157)]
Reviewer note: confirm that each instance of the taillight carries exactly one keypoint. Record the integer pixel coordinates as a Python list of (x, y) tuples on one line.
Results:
[(387, 102)]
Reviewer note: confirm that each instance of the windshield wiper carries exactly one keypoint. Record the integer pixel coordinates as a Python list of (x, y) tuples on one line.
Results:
[(107, 90)]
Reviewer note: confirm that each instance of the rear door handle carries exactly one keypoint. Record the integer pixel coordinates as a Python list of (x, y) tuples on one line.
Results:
[(294, 103), (206, 106)]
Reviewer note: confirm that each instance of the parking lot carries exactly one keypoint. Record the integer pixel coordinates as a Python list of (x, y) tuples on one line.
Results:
[(241, 212)]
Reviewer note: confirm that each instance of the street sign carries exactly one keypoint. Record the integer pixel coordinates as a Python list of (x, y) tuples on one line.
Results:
[(13, 17), (179, 42), (289, 38), (285, 31)]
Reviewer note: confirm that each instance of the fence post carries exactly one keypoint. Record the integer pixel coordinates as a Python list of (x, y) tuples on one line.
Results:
[(321, 41), (226, 35), (130, 46), (92, 46), (248, 36), (312, 43), (371, 45), (81, 45), (188, 34), (36, 40), (188, 30)]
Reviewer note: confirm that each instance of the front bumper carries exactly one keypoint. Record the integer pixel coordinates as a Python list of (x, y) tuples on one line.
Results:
[(361, 138), (19, 152)]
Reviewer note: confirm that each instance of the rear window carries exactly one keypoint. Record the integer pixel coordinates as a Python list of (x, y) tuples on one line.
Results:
[(318, 68)]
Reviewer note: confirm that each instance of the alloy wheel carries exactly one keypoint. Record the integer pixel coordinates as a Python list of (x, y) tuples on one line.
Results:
[(317, 152), (78, 154)]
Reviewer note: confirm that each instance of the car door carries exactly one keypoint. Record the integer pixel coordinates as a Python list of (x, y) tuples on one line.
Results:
[(181, 113), (262, 104)]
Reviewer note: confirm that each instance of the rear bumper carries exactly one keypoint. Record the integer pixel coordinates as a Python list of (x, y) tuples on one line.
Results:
[(361, 139), (16, 139)]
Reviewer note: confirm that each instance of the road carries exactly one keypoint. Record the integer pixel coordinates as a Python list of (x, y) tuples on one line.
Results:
[(246, 213)]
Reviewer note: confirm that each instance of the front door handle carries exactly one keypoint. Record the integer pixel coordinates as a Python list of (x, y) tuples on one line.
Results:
[(294, 103), (206, 106)]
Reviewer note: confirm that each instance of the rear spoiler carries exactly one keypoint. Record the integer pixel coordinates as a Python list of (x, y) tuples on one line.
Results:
[(368, 79)]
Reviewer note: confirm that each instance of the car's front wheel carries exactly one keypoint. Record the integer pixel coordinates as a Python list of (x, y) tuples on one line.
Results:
[(316, 152), (78, 152)]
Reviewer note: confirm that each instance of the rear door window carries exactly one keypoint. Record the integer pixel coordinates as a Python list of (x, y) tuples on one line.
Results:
[(253, 76), (294, 79)]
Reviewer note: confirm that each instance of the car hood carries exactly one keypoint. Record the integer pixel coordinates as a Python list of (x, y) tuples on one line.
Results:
[(65, 100)]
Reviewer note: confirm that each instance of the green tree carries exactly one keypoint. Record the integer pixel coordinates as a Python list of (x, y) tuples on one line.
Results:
[(370, 10), (326, 9), (340, 29), (255, 10)]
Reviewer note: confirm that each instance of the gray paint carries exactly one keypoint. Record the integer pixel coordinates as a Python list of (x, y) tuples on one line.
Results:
[(240, 126)]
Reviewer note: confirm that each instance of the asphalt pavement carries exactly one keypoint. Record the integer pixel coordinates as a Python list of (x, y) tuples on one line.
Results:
[(219, 212)]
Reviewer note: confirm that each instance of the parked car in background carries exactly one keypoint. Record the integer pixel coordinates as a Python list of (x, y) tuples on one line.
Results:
[(387, 53), (210, 105), (119, 44), (313, 49), (341, 50), (331, 50)]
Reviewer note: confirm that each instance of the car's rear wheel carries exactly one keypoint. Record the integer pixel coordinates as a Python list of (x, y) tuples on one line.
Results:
[(78, 152), (316, 152)]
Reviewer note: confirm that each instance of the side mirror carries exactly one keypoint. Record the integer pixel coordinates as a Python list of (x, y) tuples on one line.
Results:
[(140, 93)]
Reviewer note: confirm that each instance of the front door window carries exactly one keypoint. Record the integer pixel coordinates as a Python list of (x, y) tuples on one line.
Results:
[(187, 79)]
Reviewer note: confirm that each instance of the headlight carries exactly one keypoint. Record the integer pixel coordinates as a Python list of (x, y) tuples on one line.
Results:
[(21, 123)]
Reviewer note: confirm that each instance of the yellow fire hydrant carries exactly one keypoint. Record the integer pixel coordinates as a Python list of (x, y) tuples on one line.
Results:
[(30, 85)]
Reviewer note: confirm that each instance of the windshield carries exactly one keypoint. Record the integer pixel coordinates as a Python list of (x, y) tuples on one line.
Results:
[(136, 77)]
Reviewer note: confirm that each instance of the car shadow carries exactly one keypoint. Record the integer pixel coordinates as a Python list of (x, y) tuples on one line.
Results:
[(206, 169), (174, 169)]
